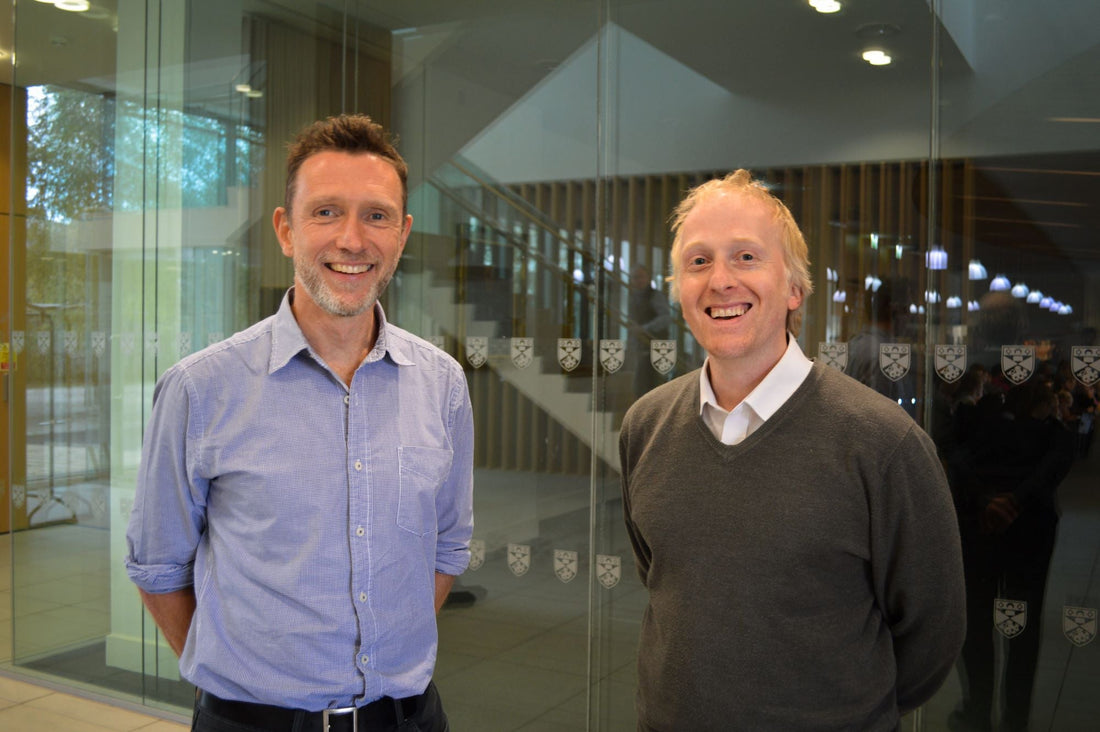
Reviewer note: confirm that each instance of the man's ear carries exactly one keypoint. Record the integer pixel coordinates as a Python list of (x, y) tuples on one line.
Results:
[(795, 299), (406, 230), (280, 221)]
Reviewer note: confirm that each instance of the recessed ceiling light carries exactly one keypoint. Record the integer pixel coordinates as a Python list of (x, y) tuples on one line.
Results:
[(936, 258), (876, 57), (825, 6), (73, 6)]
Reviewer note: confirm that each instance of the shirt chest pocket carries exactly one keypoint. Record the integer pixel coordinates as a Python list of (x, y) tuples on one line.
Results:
[(423, 473)]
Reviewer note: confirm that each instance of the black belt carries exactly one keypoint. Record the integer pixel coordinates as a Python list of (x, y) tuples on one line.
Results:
[(386, 711)]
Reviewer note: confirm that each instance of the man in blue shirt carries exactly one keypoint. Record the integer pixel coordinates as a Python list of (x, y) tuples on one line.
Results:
[(305, 494)]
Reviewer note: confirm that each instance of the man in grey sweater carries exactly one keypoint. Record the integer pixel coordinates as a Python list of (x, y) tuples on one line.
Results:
[(793, 527)]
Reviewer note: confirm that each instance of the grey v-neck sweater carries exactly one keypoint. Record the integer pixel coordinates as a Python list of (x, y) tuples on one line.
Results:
[(808, 578)]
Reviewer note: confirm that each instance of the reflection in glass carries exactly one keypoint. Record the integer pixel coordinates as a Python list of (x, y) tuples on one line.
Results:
[(548, 145)]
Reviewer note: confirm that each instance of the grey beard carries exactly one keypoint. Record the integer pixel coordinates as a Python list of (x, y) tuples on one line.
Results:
[(325, 299)]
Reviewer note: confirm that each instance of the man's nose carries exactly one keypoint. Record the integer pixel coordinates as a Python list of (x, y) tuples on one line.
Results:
[(723, 275), (353, 234)]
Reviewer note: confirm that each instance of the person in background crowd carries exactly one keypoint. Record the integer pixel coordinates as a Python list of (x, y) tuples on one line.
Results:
[(1006, 456), (1006, 466)]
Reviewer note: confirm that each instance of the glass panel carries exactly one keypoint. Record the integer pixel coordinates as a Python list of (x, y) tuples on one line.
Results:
[(62, 175), (500, 270), (696, 90), (892, 235), (548, 144), (12, 411), (148, 190), (1018, 187)]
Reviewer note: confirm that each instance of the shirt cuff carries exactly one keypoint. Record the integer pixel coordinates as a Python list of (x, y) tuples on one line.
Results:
[(157, 579)]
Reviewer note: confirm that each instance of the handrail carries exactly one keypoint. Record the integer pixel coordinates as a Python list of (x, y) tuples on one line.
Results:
[(518, 243), (524, 207), (525, 210)]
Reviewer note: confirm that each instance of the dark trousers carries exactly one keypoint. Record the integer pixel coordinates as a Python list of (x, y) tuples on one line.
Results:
[(422, 714)]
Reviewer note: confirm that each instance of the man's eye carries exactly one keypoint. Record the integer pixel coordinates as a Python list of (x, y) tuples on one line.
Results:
[(747, 257), (697, 261), (325, 212)]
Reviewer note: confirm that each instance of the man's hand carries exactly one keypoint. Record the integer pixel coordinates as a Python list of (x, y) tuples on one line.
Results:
[(999, 514), (443, 585)]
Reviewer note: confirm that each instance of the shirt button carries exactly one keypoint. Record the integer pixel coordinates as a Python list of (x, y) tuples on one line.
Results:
[(364, 659), (359, 531), (347, 399), (362, 597), (358, 464)]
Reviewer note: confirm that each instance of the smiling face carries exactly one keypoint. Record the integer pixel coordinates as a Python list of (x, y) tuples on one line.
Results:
[(345, 235), (733, 283)]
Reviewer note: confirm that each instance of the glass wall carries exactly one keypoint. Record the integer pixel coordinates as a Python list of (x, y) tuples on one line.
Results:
[(949, 198)]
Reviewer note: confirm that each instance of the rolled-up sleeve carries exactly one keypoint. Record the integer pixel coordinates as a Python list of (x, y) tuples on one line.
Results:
[(454, 501), (169, 514)]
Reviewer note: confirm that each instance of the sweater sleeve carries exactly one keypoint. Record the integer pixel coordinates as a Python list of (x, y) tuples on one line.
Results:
[(916, 566), (637, 543)]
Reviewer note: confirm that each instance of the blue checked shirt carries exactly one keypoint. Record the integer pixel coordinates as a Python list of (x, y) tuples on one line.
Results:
[(309, 516)]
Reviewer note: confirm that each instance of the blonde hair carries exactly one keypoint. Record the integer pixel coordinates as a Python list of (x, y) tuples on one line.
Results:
[(796, 256)]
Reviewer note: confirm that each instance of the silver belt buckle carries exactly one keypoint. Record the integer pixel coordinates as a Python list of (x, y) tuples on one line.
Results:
[(339, 711)]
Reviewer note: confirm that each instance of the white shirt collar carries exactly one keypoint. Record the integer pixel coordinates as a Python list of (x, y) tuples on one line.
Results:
[(777, 386)]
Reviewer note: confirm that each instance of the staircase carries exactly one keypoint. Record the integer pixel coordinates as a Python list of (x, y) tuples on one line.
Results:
[(503, 266), (565, 400)]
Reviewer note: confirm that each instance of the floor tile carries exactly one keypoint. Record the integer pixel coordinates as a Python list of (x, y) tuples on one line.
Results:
[(77, 708), (164, 726), (23, 717), (20, 691)]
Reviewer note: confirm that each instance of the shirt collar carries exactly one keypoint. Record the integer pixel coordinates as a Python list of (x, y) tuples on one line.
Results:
[(287, 339), (775, 388)]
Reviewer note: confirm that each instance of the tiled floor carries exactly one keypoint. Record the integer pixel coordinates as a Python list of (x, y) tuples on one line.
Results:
[(27, 707), (515, 660)]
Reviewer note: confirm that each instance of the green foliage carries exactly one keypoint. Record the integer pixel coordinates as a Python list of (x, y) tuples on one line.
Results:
[(70, 159), (70, 153), (92, 157)]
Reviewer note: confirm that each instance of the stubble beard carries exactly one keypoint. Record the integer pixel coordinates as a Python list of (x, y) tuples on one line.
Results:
[(310, 276)]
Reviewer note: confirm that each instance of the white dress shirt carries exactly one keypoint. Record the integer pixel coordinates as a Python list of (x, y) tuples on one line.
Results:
[(731, 427)]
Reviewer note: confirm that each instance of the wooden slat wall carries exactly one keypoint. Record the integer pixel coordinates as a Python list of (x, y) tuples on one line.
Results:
[(839, 207)]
